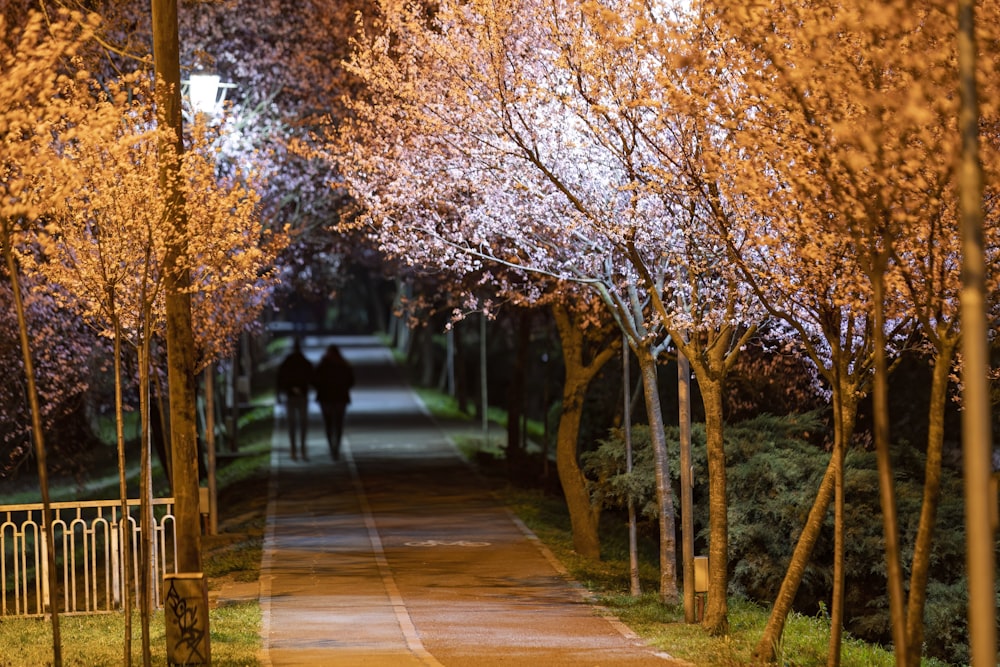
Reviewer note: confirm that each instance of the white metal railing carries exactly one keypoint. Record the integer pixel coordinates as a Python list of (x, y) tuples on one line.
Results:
[(89, 560)]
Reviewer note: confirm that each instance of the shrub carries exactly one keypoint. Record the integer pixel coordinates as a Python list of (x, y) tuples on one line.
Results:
[(773, 475)]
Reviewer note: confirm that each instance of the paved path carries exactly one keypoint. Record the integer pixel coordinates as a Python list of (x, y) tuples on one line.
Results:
[(398, 554)]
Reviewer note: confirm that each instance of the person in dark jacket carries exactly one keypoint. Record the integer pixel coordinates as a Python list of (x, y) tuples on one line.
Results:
[(295, 374), (333, 380)]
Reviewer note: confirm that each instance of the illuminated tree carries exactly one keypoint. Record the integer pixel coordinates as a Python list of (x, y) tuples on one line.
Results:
[(38, 91), (841, 125), (553, 116), (105, 257)]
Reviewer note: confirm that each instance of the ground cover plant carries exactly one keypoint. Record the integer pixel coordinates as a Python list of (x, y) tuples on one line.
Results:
[(773, 468)]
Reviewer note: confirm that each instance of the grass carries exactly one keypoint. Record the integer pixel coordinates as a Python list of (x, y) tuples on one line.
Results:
[(97, 641), (662, 626), (234, 555)]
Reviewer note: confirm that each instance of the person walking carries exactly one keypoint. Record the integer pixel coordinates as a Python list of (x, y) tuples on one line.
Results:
[(295, 375), (333, 380)]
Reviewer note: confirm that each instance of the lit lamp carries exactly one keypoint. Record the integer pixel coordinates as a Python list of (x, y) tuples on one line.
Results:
[(203, 90)]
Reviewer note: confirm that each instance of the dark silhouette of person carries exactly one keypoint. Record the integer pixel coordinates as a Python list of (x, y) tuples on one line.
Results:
[(295, 375), (333, 380)]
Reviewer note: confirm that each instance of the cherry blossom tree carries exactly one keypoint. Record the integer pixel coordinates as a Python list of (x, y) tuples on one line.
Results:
[(37, 85), (96, 259), (841, 125), (105, 257), (442, 227), (551, 116)]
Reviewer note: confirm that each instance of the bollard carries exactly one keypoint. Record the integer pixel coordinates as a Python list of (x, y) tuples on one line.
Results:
[(185, 615)]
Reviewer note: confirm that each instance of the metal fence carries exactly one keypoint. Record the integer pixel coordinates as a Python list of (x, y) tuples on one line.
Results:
[(90, 568)]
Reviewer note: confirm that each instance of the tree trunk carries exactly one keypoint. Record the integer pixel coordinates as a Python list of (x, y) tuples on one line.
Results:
[(426, 360), (179, 333), (886, 482), (843, 427), (584, 514), (39, 442), (686, 493), (461, 371), (766, 650), (837, 601), (635, 583), (920, 565), (716, 620), (124, 528), (145, 494), (664, 496)]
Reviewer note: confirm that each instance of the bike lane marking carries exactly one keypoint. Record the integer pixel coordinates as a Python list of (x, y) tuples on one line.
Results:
[(413, 642)]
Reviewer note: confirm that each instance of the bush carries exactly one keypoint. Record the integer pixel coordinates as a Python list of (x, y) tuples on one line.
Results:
[(773, 475)]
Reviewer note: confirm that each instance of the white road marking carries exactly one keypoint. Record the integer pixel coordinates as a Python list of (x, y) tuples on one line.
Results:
[(398, 605)]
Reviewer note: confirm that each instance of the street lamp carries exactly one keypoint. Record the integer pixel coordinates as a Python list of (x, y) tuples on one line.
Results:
[(203, 91), (206, 92)]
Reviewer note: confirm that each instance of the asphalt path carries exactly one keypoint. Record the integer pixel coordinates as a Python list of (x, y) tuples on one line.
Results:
[(398, 554)]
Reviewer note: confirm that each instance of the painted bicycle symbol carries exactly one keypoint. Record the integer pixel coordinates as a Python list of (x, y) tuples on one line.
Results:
[(446, 543)]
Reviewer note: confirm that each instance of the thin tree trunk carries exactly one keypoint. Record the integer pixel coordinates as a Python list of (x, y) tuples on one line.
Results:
[(843, 426), (887, 492), (515, 391), (716, 620), (920, 566), (484, 384), (837, 601), (124, 526), (145, 493), (211, 444), (635, 584), (665, 501), (461, 371), (426, 360), (39, 441), (686, 492)]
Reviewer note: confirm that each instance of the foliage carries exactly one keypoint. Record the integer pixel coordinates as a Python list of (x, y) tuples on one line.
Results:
[(64, 351), (611, 485), (773, 472), (41, 84)]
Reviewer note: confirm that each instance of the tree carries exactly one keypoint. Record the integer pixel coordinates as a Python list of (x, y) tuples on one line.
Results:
[(507, 179), (105, 256), (38, 90), (548, 115), (839, 118)]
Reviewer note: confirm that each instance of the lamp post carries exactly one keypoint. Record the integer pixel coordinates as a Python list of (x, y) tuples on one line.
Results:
[(977, 437)]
